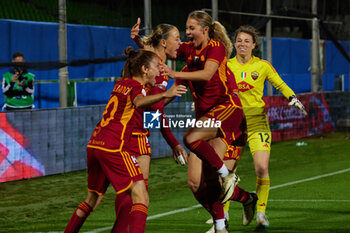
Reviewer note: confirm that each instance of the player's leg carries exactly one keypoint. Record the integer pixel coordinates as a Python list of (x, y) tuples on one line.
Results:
[(196, 140), (124, 174), (247, 199), (97, 185), (199, 188), (123, 201), (140, 147), (261, 163), (213, 184), (194, 174), (136, 210), (81, 213), (144, 162), (139, 209)]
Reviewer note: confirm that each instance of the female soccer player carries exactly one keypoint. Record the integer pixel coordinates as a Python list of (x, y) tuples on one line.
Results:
[(108, 160), (164, 41), (206, 57), (250, 74), (203, 180)]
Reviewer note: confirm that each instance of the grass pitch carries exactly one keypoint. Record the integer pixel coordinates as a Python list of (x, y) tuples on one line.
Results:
[(309, 193)]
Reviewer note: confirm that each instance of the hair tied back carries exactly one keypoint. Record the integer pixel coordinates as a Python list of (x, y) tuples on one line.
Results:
[(129, 52)]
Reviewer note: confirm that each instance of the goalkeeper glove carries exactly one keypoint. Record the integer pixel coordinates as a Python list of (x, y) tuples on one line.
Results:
[(293, 101)]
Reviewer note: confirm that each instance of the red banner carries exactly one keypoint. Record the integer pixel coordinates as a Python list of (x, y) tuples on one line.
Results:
[(287, 122)]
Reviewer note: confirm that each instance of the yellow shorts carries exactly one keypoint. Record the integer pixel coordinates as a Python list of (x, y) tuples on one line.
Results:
[(259, 133), (259, 141)]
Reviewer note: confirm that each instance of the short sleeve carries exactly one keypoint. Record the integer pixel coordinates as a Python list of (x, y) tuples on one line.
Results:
[(182, 50), (138, 90), (216, 52)]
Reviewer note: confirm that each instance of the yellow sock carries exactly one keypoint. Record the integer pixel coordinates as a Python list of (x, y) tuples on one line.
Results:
[(227, 206), (262, 190)]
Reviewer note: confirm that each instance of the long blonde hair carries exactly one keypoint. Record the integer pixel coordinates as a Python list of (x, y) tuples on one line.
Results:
[(216, 30), (160, 32)]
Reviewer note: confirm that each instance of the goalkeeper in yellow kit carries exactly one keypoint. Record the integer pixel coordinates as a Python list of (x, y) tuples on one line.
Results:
[(251, 73)]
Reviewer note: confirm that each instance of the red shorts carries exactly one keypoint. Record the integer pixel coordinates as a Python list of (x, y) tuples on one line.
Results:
[(233, 152), (118, 168), (138, 145), (231, 117)]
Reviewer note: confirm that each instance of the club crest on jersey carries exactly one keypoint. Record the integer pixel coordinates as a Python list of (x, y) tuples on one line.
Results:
[(196, 58), (243, 75), (162, 85), (255, 75)]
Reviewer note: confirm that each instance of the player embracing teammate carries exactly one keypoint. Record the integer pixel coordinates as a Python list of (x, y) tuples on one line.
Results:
[(108, 160), (213, 89)]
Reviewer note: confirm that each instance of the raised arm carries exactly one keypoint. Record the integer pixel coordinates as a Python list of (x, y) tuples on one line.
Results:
[(134, 34)]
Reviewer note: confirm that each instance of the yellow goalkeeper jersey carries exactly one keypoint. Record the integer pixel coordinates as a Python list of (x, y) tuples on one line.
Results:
[(250, 79)]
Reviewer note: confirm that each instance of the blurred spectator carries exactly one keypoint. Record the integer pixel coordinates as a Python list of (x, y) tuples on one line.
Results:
[(18, 86)]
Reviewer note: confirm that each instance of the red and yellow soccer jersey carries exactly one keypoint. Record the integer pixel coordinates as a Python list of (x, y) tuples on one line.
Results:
[(217, 90), (159, 87), (117, 121), (250, 78)]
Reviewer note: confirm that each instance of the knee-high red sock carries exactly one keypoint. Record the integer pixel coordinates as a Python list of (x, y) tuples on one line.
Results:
[(123, 205), (206, 152), (208, 197), (138, 217), (217, 210), (240, 195), (76, 221)]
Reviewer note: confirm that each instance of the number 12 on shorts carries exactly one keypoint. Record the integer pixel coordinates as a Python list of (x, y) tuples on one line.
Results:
[(264, 137)]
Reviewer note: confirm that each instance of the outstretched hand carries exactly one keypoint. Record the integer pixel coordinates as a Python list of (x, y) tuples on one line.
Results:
[(175, 91), (297, 104)]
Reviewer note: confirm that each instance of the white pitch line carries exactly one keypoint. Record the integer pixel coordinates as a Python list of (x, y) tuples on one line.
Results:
[(309, 179), (310, 200), (198, 206)]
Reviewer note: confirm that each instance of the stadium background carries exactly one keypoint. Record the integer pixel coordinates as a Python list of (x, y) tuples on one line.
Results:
[(52, 140)]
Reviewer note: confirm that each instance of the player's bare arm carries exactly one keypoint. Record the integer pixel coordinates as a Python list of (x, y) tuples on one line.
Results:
[(144, 101), (206, 74)]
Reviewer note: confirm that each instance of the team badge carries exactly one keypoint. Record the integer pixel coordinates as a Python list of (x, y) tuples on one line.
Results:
[(255, 75), (243, 75), (162, 85)]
